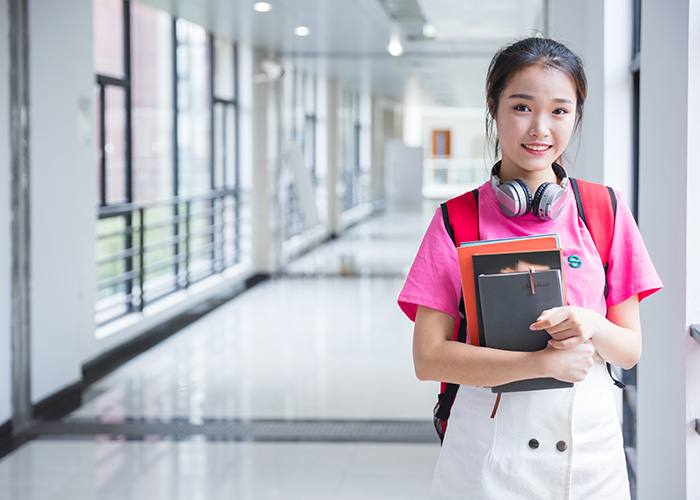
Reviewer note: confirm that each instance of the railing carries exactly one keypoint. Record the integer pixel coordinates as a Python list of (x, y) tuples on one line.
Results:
[(445, 177), (147, 251)]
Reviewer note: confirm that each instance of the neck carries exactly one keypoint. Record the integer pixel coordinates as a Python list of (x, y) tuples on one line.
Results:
[(533, 178)]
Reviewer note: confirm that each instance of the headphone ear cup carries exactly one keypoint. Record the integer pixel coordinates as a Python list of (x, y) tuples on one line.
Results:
[(515, 198), (546, 203)]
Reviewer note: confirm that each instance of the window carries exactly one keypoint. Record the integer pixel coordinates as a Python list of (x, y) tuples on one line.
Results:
[(169, 209), (300, 131), (354, 136)]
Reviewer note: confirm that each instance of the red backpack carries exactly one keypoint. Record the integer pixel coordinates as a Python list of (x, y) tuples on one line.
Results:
[(596, 206)]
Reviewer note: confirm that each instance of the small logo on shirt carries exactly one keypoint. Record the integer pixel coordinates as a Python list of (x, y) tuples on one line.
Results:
[(574, 261)]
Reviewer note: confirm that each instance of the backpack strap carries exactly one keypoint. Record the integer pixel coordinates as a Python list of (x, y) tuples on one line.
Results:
[(597, 206), (462, 226), (597, 203)]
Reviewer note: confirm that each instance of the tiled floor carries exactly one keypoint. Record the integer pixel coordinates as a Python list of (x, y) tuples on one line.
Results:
[(323, 342)]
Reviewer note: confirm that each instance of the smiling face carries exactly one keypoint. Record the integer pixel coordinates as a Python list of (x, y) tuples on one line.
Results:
[(535, 118)]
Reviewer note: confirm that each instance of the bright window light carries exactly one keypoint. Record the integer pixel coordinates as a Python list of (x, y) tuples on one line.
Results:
[(302, 31)]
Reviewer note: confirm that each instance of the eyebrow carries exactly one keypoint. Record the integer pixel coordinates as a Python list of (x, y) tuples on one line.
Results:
[(528, 97)]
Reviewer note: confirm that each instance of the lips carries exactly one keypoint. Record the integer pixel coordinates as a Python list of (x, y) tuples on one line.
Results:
[(537, 148)]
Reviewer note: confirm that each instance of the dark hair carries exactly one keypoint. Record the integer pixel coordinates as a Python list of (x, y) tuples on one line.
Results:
[(524, 53)]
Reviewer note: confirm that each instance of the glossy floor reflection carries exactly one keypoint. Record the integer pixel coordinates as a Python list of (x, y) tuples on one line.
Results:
[(324, 341), (195, 470)]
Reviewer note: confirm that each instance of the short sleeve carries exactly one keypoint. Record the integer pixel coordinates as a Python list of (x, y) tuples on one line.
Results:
[(630, 270), (433, 280)]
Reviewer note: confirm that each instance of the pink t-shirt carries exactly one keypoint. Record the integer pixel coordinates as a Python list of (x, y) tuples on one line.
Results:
[(434, 279)]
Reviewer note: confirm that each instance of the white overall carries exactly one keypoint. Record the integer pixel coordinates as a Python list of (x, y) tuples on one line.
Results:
[(557, 444)]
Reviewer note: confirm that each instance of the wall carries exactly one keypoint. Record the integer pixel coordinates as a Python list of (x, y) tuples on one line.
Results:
[(668, 448), (63, 192), (5, 223), (403, 170), (692, 354), (618, 86), (579, 26), (601, 34)]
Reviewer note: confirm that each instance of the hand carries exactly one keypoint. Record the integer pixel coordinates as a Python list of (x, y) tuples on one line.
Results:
[(568, 365), (569, 326)]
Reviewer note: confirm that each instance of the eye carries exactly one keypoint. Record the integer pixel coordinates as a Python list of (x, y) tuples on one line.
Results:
[(521, 107), (560, 111)]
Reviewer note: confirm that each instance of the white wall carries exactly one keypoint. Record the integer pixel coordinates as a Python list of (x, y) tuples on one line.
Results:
[(618, 86), (5, 223), (579, 25), (403, 170), (600, 33), (63, 192), (692, 355), (668, 396)]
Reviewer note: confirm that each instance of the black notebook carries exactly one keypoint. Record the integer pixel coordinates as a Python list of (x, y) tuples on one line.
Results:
[(509, 262), (509, 307)]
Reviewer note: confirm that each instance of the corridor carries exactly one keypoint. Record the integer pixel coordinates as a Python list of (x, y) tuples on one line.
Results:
[(301, 387)]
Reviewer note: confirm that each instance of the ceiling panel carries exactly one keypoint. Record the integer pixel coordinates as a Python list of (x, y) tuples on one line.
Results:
[(349, 39)]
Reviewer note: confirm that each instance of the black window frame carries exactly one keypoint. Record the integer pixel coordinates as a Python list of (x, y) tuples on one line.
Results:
[(222, 205), (629, 377)]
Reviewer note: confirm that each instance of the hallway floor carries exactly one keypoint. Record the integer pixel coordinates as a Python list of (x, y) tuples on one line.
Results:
[(300, 388)]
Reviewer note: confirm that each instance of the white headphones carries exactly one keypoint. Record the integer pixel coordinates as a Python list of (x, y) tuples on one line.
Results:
[(516, 199)]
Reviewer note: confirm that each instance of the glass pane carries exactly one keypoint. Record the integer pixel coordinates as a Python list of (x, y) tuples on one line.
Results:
[(310, 145), (98, 144), (309, 94), (230, 160), (220, 151), (224, 146), (114, 149), (224, 69), (193, 108), (160, 247), (152, 116), (108, 37)]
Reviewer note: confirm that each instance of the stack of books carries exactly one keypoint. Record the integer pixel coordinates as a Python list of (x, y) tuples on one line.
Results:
[(506, 285)]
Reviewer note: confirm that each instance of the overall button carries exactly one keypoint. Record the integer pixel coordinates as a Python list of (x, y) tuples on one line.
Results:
[(534, 444), (561, 446)]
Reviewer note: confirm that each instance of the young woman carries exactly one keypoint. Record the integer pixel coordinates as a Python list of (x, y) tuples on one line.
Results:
[(549, 444)]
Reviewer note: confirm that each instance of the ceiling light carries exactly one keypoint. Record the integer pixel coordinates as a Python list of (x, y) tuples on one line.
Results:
[(395, 48), (262, 7), (302, 31), (429, 30)]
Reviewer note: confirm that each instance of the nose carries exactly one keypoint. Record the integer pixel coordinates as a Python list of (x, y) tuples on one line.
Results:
[(539, 126)]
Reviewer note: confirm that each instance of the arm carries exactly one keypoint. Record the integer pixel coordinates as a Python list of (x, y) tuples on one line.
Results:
[(437, 357), (617, 337)]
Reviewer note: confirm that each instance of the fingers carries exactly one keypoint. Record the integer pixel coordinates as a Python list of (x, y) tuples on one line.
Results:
[(567, 343), (568, 326), (548, 319)]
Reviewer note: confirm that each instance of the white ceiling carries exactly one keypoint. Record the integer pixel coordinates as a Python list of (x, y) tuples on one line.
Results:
[(349, 39)]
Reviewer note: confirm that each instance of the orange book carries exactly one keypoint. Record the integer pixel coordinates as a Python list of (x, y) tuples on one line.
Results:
[(467, 250)]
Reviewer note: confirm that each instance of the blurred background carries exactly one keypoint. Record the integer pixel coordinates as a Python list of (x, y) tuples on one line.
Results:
[(210, 208)]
